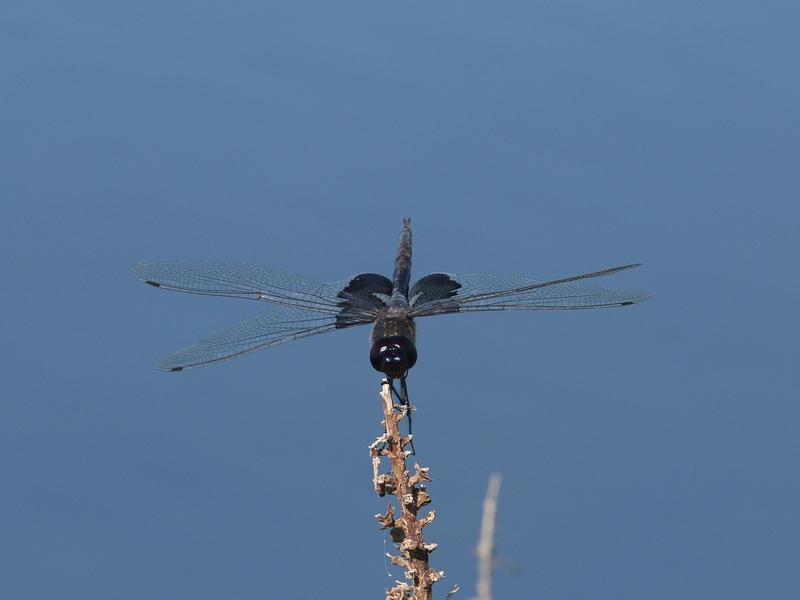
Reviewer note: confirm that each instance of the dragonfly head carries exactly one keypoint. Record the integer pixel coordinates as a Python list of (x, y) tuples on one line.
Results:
[(393, 355)]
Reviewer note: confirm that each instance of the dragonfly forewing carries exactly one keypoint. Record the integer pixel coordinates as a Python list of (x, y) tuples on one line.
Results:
[(235, 279), (442, 293)]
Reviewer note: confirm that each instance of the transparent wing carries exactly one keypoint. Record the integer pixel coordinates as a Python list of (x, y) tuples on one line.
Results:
[(276, 326), (259, 282), (447, 293)]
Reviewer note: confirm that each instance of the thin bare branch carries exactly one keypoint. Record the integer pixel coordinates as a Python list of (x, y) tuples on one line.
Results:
[(485, 549), (452, 592), (405, 529)]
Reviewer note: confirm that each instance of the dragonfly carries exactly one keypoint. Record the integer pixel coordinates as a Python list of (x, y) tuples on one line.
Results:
[(302, 307)]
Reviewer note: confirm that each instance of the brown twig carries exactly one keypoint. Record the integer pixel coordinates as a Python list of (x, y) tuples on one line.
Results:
[(406, 530)]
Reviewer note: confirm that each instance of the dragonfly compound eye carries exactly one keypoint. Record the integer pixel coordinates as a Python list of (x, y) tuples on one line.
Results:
[(393, 355)]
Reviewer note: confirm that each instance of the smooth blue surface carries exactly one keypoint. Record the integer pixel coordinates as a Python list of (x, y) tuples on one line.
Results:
[(650, 452)]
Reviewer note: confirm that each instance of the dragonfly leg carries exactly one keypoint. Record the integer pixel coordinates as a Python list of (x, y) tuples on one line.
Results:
[(402, 397)]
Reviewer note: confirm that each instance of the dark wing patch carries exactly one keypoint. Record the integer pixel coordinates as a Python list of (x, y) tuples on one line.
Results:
[(363, 294), (436, 286)]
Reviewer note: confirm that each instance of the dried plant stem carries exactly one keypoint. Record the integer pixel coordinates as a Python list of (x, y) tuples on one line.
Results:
[(485, 549), (406, 530)]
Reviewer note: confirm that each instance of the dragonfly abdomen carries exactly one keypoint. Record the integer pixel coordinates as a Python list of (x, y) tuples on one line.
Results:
[(402, 264)]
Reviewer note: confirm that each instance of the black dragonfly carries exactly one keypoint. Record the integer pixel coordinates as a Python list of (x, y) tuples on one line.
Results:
[(303, 307)]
